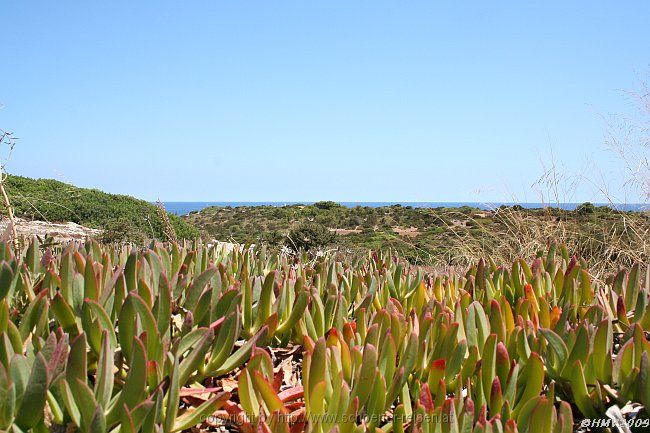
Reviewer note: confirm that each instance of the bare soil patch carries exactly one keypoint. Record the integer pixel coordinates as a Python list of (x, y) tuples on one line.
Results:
[(409, 232), (59, 231)]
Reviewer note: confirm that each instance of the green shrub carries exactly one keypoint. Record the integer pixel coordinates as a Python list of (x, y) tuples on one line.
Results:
[(326, 205), (51, 200), (118, 231), (586, 208), (308, 236)]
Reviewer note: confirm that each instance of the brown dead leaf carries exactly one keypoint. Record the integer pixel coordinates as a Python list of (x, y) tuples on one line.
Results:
[(289, 370), (199, 392), (278, 378), (228, 384), (291, 394)]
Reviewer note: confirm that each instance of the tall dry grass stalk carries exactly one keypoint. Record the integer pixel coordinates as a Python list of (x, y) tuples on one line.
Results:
[(607, 242), (8, 139), (168, 229)]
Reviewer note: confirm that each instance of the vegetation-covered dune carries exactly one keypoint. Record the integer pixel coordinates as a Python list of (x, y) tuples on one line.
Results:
[(443, 236), (111, 339), (120, 217)]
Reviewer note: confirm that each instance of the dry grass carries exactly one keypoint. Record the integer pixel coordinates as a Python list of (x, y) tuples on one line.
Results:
[(168, 229), (605, 244)]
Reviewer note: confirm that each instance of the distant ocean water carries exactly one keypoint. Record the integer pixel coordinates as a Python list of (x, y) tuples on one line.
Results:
[(185, 207)]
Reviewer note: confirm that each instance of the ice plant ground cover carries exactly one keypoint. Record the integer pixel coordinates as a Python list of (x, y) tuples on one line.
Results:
[(176, 337)]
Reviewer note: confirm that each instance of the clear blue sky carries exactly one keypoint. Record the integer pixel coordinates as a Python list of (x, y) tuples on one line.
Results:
[(342, 100)]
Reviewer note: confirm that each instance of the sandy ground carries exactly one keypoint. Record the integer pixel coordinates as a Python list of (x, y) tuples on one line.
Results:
[(410, 232), (59, 231), (345, 231)]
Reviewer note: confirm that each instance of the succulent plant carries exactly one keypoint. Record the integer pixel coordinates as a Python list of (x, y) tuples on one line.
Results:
[(105, 339)]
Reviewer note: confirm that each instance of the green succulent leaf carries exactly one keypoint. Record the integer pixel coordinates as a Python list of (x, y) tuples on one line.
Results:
[(34, 397)]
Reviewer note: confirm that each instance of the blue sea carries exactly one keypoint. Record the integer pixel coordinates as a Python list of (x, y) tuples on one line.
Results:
[(185, 207)]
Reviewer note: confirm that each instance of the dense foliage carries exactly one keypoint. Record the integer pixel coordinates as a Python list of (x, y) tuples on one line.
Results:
[(115, 339), (123, 218), (443, 236), (308, 236)]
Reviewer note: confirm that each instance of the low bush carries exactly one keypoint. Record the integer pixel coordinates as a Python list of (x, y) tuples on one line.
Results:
[(51, 200)]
